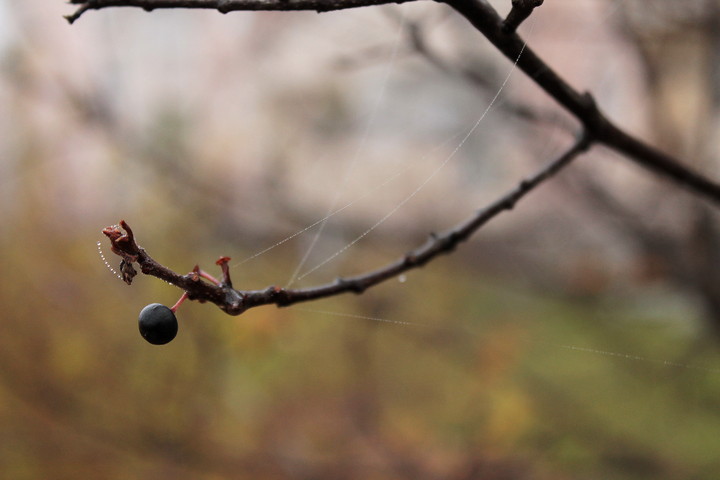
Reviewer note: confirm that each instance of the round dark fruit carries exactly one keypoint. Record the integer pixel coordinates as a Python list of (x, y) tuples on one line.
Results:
[(158, 324)]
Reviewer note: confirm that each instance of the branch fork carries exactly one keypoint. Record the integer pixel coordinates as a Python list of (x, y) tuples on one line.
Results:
[(219, 292), (597, 128), (521, 10)]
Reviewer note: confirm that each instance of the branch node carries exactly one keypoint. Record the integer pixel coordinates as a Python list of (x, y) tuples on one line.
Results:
[(224, 6), (410, 259), (233, 304), (593, 120), (589, 101), (222, 262), (450, 241), (348, 285), (78, 13), (279, 296), (521, 10)]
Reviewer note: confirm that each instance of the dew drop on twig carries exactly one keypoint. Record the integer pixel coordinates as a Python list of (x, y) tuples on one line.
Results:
[(102, 256)]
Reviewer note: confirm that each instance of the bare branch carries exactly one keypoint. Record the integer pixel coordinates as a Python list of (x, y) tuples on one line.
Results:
[(226, 6), (484, 17), (235, 302)]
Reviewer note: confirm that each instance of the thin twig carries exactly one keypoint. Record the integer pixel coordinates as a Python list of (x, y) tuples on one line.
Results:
[(226, 6), (235, 302)]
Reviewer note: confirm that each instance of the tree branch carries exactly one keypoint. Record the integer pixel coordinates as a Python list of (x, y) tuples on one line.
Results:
[(235, 302), (484, 17), (226, 6)]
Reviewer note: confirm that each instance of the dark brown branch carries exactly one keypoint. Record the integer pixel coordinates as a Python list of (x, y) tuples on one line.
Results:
[(226, 6), (484, 17), (521, 10), (235, 302)]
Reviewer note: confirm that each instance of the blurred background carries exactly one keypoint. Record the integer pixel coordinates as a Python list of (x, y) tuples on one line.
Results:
[(575, 337)]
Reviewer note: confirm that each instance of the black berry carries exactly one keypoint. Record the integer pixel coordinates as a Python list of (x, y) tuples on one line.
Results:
[(158, 324)]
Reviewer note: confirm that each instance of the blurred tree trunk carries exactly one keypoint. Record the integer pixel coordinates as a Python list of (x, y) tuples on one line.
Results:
[(680, 51)]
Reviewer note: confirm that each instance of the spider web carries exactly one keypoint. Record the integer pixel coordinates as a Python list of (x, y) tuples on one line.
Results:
[(459, 140), (333, 210)]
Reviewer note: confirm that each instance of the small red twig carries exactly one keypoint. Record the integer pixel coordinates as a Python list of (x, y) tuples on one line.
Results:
[(179, 302), (203, 274), (222, 262), (125, 245)]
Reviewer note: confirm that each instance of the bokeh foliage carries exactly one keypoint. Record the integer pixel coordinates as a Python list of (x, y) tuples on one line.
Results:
[(494, 370)]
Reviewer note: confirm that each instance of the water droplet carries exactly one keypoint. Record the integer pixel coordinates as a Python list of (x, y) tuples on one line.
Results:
[(102, 256), (402, 278)]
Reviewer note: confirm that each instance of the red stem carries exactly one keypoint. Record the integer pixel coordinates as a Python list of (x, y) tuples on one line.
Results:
[(179, 302)]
